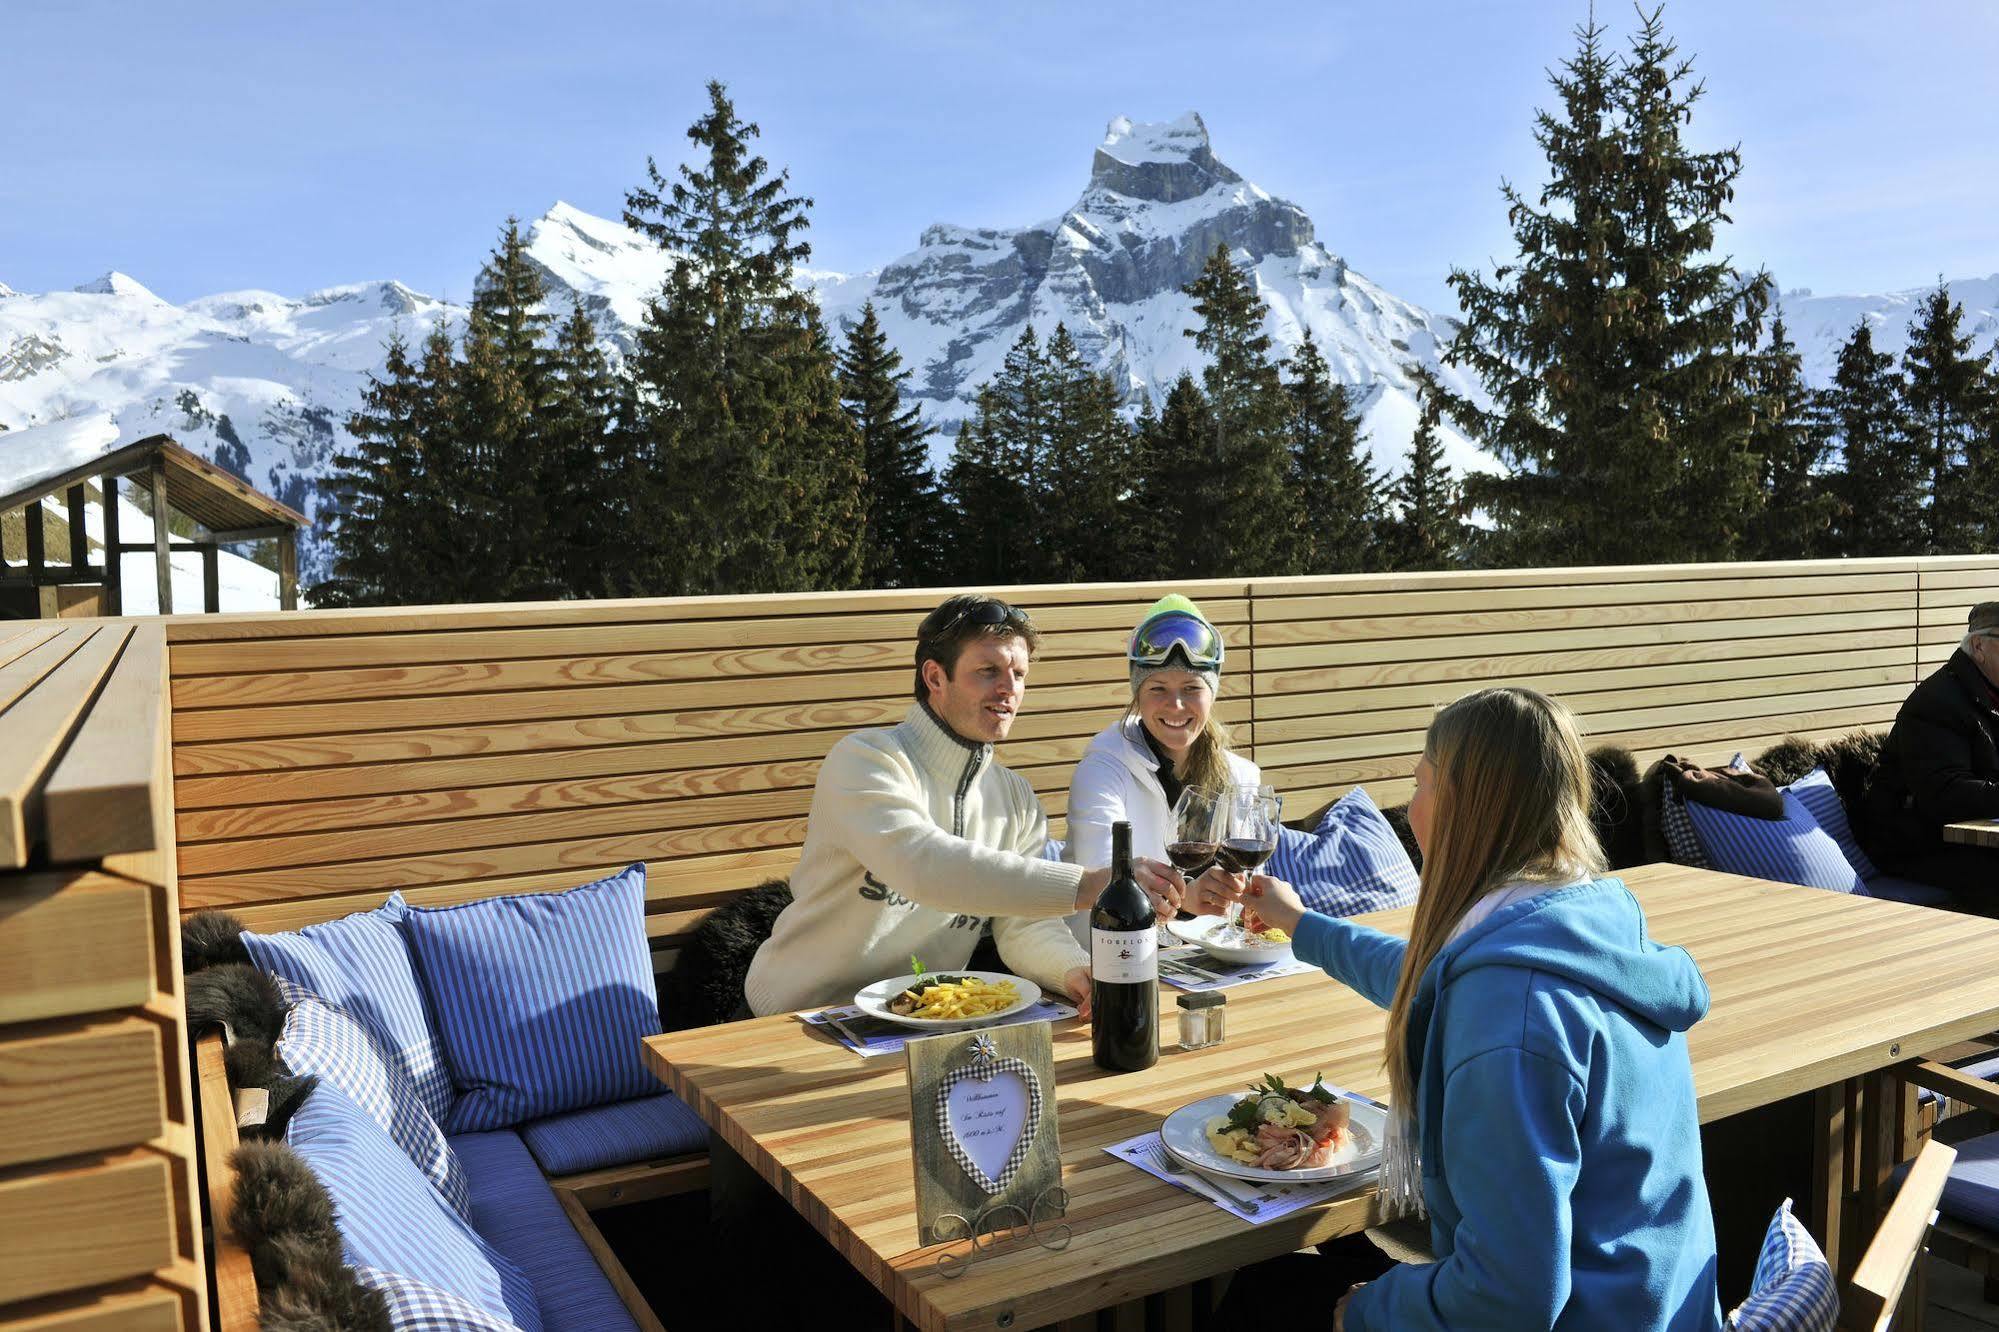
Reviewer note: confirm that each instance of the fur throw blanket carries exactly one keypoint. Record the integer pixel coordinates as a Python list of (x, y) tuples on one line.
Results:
[(706, 983), (284, 1218)]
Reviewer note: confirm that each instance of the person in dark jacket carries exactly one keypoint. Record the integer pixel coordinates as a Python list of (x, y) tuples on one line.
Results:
[(1941, 765)]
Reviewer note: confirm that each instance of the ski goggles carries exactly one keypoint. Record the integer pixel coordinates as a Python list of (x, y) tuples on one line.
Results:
[(1197, 641)]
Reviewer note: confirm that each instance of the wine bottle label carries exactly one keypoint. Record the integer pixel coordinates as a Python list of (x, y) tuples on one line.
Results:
[(1122, 957)]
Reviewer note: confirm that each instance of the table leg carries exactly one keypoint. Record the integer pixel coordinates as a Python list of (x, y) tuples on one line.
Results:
[(1822, 1215)]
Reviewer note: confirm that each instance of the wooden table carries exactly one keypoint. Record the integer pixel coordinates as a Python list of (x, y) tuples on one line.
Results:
[(1813, 992), (1977, 832)]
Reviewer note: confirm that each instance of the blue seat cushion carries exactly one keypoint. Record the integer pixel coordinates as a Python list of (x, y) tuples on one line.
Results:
[(332, 1045), (392, 1219), (1352, 862), (606, 1135), (362, 963), (1908, 890), (516, 1211), (1972, 1192), (1793, 849), (541, 999), (1793, 1288), (1816, 793)]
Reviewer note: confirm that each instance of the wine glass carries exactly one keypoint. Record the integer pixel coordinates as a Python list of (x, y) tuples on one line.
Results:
[(1249, 836), (1197, 830)]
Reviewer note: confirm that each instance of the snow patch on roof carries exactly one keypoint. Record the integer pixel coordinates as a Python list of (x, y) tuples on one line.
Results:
[(40, 452)]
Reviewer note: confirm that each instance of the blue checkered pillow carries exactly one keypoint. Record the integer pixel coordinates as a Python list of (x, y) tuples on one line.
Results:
[(1793, 849), (1682, 846), (327, 1042), (391, 1218), (1816, 793), (541, 999), (1793, 1290), (1352, 862), (415, 1306), (362, 963)]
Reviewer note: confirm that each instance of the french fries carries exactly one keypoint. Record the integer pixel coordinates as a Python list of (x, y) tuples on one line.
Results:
[(964, 997)]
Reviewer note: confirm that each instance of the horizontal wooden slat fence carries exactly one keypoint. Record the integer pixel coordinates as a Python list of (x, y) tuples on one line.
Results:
[(324, 760)]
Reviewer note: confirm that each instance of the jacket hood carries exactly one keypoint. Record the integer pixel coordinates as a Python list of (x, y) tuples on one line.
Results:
[(1592, 934)]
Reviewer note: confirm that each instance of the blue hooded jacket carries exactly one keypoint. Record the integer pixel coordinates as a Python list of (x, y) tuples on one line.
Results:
[(1560, 1141)]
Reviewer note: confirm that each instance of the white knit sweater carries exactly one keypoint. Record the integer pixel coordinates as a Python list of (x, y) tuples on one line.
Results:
[(916, 837)]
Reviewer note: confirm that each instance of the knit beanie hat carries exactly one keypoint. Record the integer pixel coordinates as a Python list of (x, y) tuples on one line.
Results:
[(1178, 659)]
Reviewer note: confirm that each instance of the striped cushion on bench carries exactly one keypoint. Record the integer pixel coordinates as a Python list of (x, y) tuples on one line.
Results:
[(1793, 849), (362, 964), (541, 999), (417, 1306), (607, 1135)]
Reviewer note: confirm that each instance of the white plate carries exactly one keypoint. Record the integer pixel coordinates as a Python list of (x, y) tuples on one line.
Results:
[(875, 998), (1201, 930), (1185, 1135)]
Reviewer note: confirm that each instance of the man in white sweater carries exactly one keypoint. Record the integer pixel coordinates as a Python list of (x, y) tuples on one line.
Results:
[(917, 837)]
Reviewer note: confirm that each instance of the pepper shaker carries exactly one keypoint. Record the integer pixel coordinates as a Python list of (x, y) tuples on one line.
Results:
[(1203, 1019)]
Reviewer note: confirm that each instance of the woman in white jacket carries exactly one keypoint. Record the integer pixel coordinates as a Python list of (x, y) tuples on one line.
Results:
[(1168, 739)]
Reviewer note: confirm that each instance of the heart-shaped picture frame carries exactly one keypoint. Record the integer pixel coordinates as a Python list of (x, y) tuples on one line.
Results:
[(977, 1090)]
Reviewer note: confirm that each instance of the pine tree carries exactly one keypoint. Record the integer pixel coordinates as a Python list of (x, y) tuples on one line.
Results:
[(906, 515), (584, 442), (443, 559), (1336, 491), (1947, 397), (737, 380), (995, 473), (1175, 504), (1427, 530), (1253, 529), (1790, 440), (1617, 354), (1085, 477), (1879, 484), (374, 531)]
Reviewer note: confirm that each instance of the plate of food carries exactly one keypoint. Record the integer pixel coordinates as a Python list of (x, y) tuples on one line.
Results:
[(1278, 1133), (948, 1000), (1233, 943)]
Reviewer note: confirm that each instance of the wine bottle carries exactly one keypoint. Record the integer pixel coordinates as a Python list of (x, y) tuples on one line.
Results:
[(1124, 968)]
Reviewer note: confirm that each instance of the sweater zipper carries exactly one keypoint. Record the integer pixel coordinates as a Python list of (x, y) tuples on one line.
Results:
[(964, 785)]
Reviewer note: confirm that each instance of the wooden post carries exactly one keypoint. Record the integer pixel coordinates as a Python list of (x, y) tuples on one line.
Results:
[(79, 533), (163, 568), (31, 523), (211, 577), (288, 570), (114, 563)]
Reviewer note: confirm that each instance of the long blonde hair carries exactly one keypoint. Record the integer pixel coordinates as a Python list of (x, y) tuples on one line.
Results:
[(1207, 756), (1510, 804)]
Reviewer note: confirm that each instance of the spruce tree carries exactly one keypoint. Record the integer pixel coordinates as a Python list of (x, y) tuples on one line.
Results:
[(1175, 503), (995, 475), (584, 443), (1879, 484), (1082, 528), (444, 562), (1427, 529), (737, 380), (1333, 484), (906, 516), (375, 533), (1790, 440), (1616, 352), (1253, 525), (1947, 397)]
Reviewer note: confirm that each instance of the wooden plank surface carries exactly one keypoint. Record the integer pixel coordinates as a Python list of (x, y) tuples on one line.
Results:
[(36, 725), (71, 1088), (100, 796), (1780, 962), (124, 1203), (1976, 833), (76, 942), (236, 1304), (139, 1306)]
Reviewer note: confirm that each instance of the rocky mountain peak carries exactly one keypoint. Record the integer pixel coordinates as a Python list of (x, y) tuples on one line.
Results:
[(115, 283), (1158, 162)]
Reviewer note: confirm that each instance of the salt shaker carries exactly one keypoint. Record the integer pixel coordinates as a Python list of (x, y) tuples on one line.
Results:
[(1203, 1019)]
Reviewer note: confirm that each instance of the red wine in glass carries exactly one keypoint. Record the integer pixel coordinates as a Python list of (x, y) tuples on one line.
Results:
[(1239, 855), (1191, 858)]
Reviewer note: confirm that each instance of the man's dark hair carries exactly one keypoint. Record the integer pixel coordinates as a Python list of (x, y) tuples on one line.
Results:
[(970, 615)]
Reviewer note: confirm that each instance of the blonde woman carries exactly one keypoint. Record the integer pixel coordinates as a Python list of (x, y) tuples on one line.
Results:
[(1536, 1050), (1168, 739)]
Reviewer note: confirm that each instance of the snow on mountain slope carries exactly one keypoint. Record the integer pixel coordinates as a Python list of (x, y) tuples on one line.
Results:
[(1821, 324)]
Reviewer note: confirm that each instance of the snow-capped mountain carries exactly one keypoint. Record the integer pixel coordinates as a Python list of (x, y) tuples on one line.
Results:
[(263, 384)]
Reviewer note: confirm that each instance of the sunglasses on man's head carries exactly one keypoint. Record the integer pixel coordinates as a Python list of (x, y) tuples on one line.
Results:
[(988, 613)]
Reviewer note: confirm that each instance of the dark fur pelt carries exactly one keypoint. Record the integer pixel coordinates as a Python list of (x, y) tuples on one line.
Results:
[(1848, 760), (706, 984), (1398, 819), (237, 996), (1615, 808), (209, 939), (284, 1218)]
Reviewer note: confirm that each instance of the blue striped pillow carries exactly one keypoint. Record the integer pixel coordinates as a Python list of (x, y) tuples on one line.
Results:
[(392, 1219), (362, 963), (1793, 849), (1793, 1289), (1816, 793), (541, 999), (330, 1044), (1352, 862)]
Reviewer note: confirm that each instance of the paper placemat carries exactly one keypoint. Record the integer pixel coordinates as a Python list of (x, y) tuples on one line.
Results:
[(870, 1037), (1191, 968), (1265, 1202)]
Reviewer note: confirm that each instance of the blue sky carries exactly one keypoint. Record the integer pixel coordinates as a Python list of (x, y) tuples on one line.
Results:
[(202, 147)]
